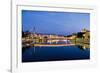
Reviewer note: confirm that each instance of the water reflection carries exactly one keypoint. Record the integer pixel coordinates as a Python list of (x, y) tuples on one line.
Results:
[(82, 47), (54, 53), (24, 49)]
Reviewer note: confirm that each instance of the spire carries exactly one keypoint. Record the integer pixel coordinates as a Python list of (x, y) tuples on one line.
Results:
[(84, 30)]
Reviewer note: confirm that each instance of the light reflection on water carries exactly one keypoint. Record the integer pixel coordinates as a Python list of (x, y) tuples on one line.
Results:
[(30, 54)]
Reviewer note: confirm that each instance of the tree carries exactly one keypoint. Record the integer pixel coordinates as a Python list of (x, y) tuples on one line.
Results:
[(80, 34)]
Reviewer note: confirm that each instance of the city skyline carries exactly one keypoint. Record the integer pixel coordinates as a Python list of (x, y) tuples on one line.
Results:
[(60, 23)]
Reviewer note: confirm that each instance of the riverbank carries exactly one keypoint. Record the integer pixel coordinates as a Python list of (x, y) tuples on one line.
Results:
[(53, 45), (47, 45)]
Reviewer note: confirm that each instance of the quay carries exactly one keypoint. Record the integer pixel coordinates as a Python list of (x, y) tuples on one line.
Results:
[(47, 45)]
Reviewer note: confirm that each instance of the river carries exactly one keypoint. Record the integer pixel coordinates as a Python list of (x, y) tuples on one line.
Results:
[(39, 54)]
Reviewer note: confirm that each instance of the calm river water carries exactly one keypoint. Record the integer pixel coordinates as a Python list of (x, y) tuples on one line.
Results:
[(37, 54)]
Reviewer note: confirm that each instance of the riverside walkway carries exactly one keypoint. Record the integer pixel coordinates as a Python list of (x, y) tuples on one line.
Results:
[(47, 45)]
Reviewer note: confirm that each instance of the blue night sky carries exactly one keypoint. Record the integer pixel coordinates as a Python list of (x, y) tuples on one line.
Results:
[(61, 23)]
